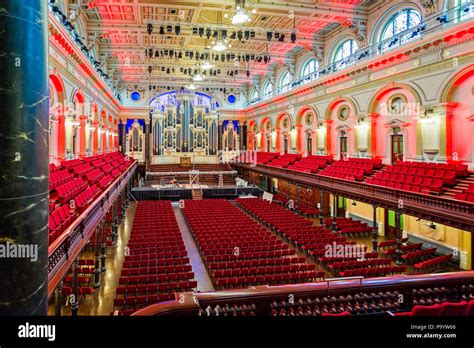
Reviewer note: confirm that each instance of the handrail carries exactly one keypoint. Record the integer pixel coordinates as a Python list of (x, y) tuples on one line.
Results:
[(438, 208), (229, 172), (364, 53), (189, 303), (68, 245)]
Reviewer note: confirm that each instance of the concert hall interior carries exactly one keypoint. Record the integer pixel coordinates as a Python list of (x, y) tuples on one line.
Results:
[(237, 158)]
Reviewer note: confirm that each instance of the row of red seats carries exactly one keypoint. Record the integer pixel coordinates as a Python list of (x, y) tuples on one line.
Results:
[(444, 309), (360, 264), (417, 255), (59, 220), (427, 264), (269, 279), (394, 173), (408, 182), (284, 161), (373, 272), (58, 178), (340, 172), (293, 263), (237, 272), (206, 219), (311, 164), (86, 197), (466, 195), (389, 243), (460, 169)]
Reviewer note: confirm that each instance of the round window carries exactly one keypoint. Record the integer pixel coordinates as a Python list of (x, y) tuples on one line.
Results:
[(231, 99), (343, 112), (135, 96)]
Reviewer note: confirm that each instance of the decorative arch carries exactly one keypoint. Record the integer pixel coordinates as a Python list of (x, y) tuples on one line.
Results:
[(303, 111), (251, 135), (283, 132), (453, 81), (388, 89), (336, 102), (58, 87)]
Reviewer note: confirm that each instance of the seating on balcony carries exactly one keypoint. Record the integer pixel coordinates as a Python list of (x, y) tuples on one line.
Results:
[(77, 185), (352, 169), (311, 164), (284, 160)]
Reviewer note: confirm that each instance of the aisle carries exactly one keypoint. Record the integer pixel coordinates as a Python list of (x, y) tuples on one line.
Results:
[(200, 273)]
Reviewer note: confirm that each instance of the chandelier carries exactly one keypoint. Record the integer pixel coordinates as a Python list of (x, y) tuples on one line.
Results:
[(219, 46), (241, 16)]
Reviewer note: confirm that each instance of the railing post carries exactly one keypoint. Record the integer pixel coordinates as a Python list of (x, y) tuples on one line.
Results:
[(57, 299), (74, 300), (113, 214), (398, 251), (334, 211), (104, 247), (97, 259), (321, 197), (374, 229)]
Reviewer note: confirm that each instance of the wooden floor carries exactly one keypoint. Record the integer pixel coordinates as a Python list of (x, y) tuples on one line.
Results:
[(102, 302)]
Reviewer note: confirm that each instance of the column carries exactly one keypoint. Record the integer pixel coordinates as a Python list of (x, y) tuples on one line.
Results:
[(375, 229), (82, 136), (75, 285), (61, 136), (296, 196), (299, 139), (278, 140), (321, 198), (124, 137), (104, 247), (334, 212), (113, 213), (398, 251), (104, 138), (95, 138), (244, 144), (58, 299), (97, 259), (24, 157)]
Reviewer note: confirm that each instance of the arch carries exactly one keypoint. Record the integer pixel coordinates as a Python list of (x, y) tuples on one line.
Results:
[(280, 117), (78, 97), (332, 106), (263, 123), (372, 107), (303, 111), (58, 87), (453, 81)]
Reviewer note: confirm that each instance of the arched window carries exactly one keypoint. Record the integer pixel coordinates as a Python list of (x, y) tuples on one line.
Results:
[(268, 91), (254, 97), (402, 21), (310, 70), (343, 52), (466, 9), (285, 81)]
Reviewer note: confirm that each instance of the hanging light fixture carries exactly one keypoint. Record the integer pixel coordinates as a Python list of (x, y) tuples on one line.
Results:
[(219, 46), (207, 65), (198, 76), (241, 16)]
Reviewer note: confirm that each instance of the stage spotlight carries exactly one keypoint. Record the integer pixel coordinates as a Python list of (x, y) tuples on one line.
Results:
[(232, 36), (247, 35), (269, 36), (224, 34), (162, 30), (248, 73), (277, 35), (195, 31), (169, 28), (149, 28), (208, 33), (201, 32), (282, 38), (239, 35), (252, 34), (293, 37), (177, 29)]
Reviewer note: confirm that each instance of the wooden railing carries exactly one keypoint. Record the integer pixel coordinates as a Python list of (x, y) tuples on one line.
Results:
[(262, 296), (443, 210), (63, 251)]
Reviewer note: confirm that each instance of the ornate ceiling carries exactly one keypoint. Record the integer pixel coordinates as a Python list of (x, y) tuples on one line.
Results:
[(119, 30)]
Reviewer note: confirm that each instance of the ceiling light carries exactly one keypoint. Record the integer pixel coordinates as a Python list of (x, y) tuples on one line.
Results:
[(226, 15), (192, 86), (198, 77), (219, 46), (254, 11), (206, 65), (240, 17)]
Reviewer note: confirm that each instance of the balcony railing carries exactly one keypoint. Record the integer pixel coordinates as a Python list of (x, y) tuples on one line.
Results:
[(447, 211), (63, 251), (262, 296), (445, 20)]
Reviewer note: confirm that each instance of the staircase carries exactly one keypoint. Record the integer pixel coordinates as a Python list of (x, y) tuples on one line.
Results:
[(197, 194), (461, 185)]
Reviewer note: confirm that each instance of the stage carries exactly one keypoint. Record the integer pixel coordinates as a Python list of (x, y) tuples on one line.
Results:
[(177, 193)]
